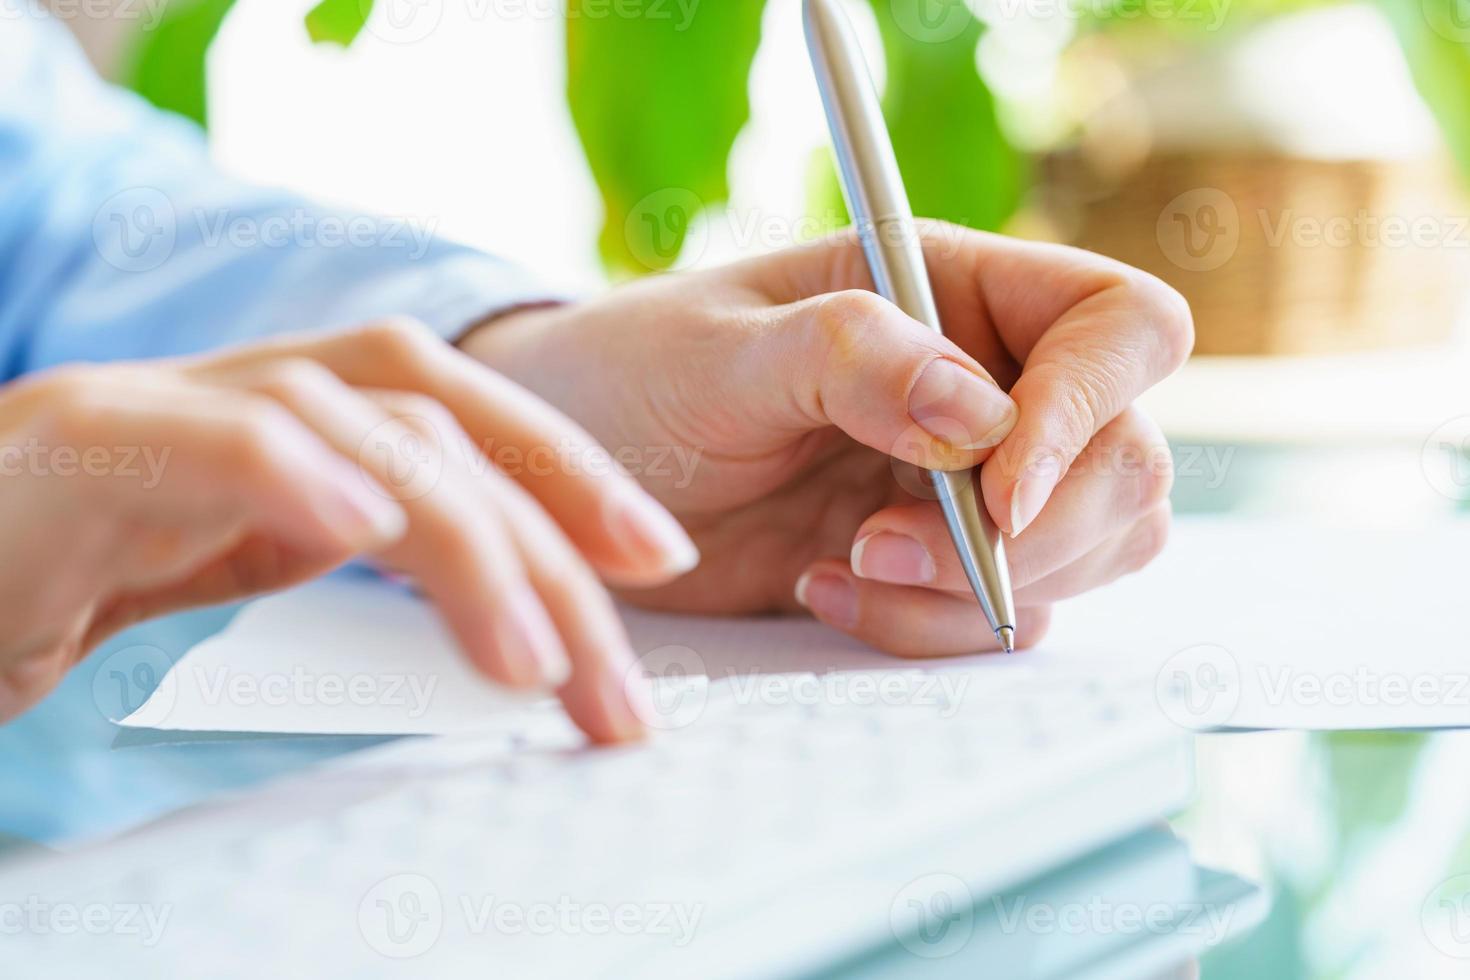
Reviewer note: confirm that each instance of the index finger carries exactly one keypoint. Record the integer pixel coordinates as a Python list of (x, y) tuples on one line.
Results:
[(996, 295), (1075, 335)]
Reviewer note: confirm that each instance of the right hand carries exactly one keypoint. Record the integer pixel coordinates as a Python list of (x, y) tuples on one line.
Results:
[(136, 489)]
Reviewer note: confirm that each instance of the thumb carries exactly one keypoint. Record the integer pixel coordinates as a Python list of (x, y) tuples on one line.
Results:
[(854, 360)]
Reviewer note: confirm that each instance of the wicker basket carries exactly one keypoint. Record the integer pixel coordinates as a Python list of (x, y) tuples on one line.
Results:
[(1281, 255)]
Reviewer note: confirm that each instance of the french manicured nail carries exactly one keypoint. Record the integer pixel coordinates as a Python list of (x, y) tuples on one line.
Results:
[(831, 598), (528, 641), (894, 558), (1033, 490), (956, 405), (642, 526)]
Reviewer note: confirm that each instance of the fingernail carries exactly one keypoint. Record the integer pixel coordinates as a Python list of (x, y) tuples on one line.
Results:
[(644, 527), (529, 643), (1033, 490), (831, 598), (894, 558), (959, 407)]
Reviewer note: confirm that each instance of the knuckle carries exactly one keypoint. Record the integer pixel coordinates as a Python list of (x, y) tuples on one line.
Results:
[(257, 433), (463, 539), (1170, 313), (72, 404), (1149, 537), (419, 410), (438, 431), (1079, 411), (401, 339), (1156, 476), (565, 581), (840, 314), (297, 378), (1140, 455), (72, 398)]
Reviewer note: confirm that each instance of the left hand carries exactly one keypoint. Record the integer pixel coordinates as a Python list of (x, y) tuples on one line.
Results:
[(788, 390)]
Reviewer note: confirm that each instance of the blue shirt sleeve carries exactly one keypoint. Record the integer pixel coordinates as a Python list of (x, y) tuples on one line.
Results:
[(118, 239)]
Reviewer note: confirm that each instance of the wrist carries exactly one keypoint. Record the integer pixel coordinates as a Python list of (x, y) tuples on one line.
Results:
[(510, 341)]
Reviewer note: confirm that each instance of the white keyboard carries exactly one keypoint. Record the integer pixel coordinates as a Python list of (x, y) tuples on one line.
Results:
[(776, 826)]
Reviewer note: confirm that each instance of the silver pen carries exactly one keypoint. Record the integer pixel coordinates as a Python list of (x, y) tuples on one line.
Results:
[(880, 210)]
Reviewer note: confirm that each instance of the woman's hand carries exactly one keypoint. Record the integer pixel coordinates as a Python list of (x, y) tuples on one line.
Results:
[(765, 403), (135, 489)]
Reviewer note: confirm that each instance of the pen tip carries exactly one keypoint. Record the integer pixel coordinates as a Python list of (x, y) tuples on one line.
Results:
[(1007, 637)]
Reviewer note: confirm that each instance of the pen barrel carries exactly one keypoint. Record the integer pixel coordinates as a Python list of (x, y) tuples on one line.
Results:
[(871, 182), (896, 257), (987, 571), (873, 188)]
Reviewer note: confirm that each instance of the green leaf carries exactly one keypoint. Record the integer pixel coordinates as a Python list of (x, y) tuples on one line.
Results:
[(168, 61), (337, 21), (658, 98), (956, 162), (1435, 36)]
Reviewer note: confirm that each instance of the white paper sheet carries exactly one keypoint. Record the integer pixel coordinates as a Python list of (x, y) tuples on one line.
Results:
[(1257, 625)]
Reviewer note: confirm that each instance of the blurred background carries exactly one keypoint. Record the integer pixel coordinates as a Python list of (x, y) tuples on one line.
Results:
[(1297, 168)]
